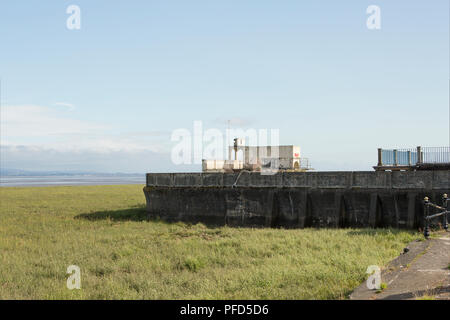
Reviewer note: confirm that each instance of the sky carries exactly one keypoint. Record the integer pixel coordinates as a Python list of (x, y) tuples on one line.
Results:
[(107, 97)]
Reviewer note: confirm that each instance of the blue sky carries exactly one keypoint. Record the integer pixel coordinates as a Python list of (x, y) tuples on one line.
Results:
[(108, 96)]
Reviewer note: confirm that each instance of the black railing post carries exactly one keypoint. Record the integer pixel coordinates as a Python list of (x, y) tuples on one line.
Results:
[(380, 157), (419, 155), (426, 230), (444, 216)]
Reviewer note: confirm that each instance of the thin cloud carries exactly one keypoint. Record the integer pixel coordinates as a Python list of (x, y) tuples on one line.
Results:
[(41, 121), (47, 127), (64, 104)]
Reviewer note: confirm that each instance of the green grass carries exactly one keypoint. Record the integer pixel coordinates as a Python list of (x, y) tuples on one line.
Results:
[(383, 286), (104, 230), (426, 297)]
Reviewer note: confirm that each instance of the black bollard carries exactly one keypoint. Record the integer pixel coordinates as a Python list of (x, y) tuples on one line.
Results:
[(426, 230), (444, 216)]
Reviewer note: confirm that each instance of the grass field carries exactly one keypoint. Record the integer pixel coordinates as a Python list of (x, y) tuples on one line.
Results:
[(104, 231)]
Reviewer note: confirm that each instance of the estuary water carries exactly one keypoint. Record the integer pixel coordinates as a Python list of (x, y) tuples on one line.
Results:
[(69, 180)]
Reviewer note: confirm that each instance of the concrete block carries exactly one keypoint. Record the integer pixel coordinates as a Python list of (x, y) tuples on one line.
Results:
[(187, 179), (295, 179), (245, 207), (150, 179), (164, 179), (356, 208), (322, 213), (260, 180), (373, 207), (331, 179), (289, 208), (371, 179), (230, 178), (441, 180), (212, 179), (412, 179)]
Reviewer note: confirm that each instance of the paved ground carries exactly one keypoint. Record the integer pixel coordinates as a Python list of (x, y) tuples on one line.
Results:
[(421, 272)]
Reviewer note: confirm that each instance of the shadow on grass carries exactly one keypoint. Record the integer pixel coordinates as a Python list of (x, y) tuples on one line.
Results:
[(377, 231), (137, 214), (140, 214), (132, 214)]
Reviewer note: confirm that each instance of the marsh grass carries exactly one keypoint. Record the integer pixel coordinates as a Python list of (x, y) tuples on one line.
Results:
[(104, 230)]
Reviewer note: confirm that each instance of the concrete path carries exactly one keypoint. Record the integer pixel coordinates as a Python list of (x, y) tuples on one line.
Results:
[(420, 273)]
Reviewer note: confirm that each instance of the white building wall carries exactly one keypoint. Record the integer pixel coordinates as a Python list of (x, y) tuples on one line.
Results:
[(284, 156)]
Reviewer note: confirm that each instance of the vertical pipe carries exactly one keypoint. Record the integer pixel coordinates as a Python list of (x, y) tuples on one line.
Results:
[(395, 158), (409, 158)]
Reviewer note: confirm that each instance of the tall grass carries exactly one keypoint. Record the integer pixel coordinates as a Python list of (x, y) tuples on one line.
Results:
[(122, 255)]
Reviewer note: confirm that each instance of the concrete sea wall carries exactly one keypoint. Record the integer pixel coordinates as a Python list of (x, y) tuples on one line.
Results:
[(296, 199)]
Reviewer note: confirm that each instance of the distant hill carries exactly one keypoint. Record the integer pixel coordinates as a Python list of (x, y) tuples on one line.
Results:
[(19, 172)]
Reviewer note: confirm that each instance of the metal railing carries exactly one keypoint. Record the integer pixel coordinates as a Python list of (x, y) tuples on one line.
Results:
[(444, 212), (286, 163), (403, 157), (436, 155), (413, 156)]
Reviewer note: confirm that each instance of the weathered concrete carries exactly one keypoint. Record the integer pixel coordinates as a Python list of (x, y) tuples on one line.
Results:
[(296, 199), (422, 270)]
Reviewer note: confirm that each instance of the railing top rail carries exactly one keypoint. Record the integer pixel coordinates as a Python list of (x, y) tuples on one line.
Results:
[(415, 148)]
